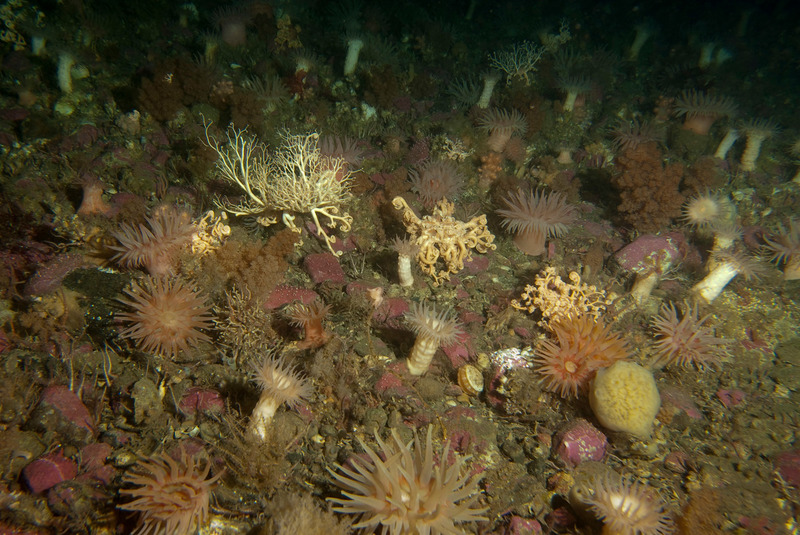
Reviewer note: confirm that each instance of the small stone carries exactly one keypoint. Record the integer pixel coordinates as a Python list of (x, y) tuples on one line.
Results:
[(324, 267), (62, 412), (146, 401)]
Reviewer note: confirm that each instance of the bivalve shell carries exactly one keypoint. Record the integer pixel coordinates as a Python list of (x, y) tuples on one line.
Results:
[(470, 379)]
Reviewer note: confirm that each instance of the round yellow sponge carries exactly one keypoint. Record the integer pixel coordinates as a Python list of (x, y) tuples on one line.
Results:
[(624, 397)]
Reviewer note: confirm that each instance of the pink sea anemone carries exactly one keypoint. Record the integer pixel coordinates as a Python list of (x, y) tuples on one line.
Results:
[(401, 489), (687, 340), (232, 24), (534, 217), (155, 246), (167, 316), (435, 181), (628, 136), (501, 125), (309, 318), (172, 496)]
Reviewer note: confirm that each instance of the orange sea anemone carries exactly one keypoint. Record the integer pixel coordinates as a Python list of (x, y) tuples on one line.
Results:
[(435, 181), (167, 316), (154, 246), (582, 345), (309, 318), (626, 508), (701, 111), (501, 125), (534, 217), (401, 489), (172, 496), (686, 341)]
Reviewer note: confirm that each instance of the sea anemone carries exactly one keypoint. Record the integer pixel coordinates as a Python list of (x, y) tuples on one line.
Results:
[(166, 316), (724, 265), (727, 142), (433, 328), (435, 181), (534, 217), (232, 23), (92, 202), (756, 131), (501, 125), (700, 111), (625, 507), (280, 383), (705, 210), (309, 318), (344, 148), (155, 246), (785, 246), (354, 46), (582, 346), (400, 488), (172, 496), (687, 341), (629, 135), (406, 249), (573, 86), (490, 80)]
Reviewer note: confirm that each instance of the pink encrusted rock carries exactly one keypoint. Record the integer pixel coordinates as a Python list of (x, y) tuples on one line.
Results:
[(93, 463), (580, 441), (283, 295), (324, 267), (649, 257), (46, 472), (62, 412), (523, 526), (788, 466), (197, 399)]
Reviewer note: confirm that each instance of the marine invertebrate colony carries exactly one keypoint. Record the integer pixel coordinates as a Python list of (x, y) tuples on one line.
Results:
[(295, 179), (172, 496), (401, 489), (167, 315), (440, 235)]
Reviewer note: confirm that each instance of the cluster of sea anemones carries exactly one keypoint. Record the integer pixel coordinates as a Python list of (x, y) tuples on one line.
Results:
[(686, 340), (582, 345), (172, 496), (534, 216), (401, 489), (157, 245), (435, 181), (167, 315)]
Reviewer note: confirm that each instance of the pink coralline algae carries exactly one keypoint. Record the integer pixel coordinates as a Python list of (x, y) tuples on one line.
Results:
[(523, 526), (788, 467), (580, 441), (283, 295), (198, 399), (46, 472), (324, 267)]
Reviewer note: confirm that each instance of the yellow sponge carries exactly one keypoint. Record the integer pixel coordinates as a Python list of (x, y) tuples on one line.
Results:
[(624, 397)]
